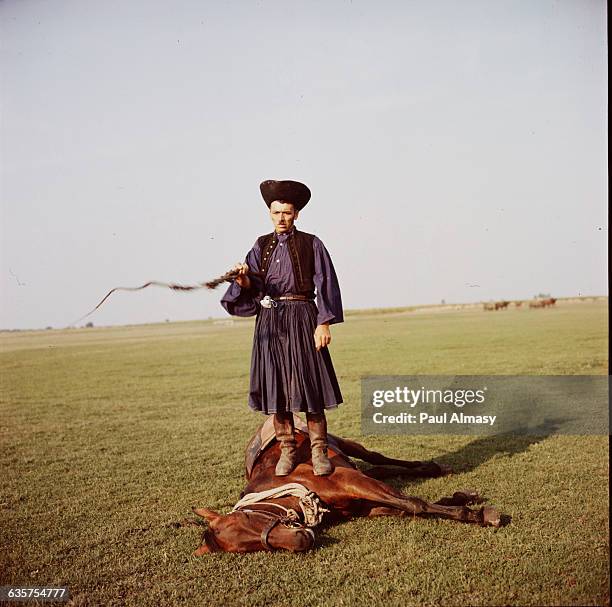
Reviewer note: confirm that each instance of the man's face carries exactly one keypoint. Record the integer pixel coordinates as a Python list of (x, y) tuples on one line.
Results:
[(283, 216)]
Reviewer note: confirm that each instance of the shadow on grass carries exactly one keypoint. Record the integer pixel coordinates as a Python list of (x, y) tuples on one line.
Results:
[(322, 540), (482, 449), (477, 452)]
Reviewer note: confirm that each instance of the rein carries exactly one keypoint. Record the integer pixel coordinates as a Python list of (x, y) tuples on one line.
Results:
[(309, 501)]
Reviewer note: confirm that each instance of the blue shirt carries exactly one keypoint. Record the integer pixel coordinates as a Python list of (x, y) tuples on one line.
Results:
[(280, 280)]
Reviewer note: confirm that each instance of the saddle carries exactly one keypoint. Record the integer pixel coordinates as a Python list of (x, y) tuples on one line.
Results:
[(264, 437)]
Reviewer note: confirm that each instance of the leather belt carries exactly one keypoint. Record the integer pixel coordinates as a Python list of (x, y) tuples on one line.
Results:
[(269, 302), (290, 297)]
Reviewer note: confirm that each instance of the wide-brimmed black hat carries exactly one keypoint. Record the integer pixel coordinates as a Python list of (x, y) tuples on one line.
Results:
[(289, 191)]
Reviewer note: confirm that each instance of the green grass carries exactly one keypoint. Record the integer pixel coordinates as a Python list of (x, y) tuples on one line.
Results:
[(109, 436)]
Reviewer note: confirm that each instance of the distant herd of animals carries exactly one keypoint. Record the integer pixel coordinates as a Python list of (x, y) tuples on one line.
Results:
[(548, 302)]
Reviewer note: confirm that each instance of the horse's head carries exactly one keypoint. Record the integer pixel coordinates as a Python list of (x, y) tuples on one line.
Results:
[(248, 531)]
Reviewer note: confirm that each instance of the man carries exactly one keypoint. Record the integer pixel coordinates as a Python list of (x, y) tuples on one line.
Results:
[(291, 369)]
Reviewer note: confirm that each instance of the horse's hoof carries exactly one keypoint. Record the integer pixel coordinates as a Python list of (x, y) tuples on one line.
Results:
[(468, 496), (491, 517), (444, 469)]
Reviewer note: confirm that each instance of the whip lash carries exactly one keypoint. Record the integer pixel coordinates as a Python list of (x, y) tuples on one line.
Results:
[(211, 284)]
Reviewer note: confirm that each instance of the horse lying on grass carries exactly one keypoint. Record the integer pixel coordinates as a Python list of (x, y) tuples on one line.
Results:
[(280, 512)]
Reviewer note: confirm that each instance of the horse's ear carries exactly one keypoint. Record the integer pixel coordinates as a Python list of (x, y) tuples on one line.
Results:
[(209, 515), (203, 549), (208, 544)]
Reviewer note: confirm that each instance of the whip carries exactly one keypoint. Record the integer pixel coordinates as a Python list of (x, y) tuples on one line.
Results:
[(211, 284)]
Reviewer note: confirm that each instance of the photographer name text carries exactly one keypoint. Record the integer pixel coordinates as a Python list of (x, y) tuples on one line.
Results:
[(426, 418), (423, 397)]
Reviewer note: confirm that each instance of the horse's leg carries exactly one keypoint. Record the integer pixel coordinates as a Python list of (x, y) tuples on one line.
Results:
[(427, 470), (377, 493), (384, 511), (415, 469), (459, 498)]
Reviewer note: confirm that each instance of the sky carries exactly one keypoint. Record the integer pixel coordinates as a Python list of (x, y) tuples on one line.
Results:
[(455, 151)]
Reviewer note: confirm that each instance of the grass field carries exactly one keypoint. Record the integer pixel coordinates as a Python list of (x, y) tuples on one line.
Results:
[(109, 436)]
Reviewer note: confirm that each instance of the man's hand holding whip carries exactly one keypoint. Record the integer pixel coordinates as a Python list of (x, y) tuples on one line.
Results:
[(242, 277)]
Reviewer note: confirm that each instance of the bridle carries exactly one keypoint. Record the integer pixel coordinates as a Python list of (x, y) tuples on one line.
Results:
[(289, 519), (308, 501)]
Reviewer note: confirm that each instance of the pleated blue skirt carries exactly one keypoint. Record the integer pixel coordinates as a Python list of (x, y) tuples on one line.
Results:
[(287, 372)]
